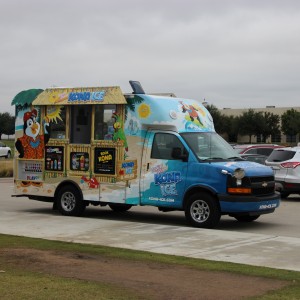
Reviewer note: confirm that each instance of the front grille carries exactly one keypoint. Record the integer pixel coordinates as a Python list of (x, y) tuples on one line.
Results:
[(260, 179), (262, 186)]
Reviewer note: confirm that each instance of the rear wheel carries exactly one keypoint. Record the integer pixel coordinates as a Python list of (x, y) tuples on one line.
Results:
[(8, 155), (69, 201), (202, 210), (119, 207), (246, 218)]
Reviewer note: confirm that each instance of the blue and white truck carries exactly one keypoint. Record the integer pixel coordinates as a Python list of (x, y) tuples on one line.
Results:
[(85, 146)]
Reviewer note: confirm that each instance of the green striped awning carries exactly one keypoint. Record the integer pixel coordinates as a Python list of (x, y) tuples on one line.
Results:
[(26, 97)]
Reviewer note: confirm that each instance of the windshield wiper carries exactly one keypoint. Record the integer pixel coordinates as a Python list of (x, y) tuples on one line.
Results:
[(235, 158), (212, 158)]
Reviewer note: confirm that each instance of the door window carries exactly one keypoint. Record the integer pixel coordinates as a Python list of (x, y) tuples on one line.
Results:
[(164, 145)]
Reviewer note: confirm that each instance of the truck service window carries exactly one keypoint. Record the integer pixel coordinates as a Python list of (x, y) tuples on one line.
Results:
[(81, 116), (103, 122), (58, 124)]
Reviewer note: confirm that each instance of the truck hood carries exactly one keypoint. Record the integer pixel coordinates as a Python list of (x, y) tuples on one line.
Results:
[(251, 168)]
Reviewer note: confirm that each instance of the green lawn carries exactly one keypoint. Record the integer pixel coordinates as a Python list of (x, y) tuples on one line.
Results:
[(16, 283)]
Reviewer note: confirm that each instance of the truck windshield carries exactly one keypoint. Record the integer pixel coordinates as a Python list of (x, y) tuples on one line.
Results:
[(209, 146)]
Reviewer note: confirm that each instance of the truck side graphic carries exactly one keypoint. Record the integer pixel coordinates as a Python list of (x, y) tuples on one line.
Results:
[(101, 147)]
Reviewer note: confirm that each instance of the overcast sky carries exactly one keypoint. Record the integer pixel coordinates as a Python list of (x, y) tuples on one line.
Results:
[(237, 54)]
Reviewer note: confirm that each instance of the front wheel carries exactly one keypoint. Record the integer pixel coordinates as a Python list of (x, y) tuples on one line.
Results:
[(202, 210), (69, 201), (8, 155), (284, 194)]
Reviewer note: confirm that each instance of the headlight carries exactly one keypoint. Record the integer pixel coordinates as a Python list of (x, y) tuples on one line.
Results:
[(237, 182), (239, 173)]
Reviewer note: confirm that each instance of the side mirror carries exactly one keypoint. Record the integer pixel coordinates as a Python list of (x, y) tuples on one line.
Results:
[(177, 154)]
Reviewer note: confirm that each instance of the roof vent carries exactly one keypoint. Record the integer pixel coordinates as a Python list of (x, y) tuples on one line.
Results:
[(137, 87)]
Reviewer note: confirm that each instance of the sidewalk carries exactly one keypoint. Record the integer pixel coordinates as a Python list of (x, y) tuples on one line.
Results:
[(253, 249), (35, 219)]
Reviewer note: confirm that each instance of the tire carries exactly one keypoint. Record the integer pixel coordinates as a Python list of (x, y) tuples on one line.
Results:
[(246, 218), (69, 201), (202, 211), (284, 194), (119, 207), (8, 155)]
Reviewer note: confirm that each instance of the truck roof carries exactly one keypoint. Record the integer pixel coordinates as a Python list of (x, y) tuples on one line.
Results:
[(180, 113)]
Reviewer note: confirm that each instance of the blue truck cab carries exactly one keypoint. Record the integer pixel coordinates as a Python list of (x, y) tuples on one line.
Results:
[(124, 150)]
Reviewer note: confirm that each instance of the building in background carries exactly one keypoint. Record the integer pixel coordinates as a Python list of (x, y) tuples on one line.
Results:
[(279, 138)]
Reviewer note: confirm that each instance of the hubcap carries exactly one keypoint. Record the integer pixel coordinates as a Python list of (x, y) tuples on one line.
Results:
[(68, 201), (200, 211)]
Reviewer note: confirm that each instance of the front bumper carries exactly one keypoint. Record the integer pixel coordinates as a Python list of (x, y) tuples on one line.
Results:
[(249, 204)]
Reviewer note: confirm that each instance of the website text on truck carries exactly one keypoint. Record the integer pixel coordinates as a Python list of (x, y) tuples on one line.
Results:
[(96, 146)]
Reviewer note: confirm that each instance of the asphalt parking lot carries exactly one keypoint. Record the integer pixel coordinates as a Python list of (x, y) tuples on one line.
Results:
[(23, 217)]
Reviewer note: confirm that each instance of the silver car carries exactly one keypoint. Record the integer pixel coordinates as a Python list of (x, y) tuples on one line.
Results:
[(286, 165), (5, 151)]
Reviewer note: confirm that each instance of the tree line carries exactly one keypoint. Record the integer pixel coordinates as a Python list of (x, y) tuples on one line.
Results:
[(7, 124), (252, 123)]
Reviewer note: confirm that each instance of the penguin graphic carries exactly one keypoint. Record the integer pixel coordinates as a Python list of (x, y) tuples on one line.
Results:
[(31, 145)]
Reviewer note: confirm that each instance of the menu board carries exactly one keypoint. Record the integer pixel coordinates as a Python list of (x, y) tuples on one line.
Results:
[(79, 161), (54, 158), (105, 161)]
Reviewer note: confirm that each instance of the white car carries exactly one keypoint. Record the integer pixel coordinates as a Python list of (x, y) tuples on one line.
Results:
[(5, 151), (286, 165)]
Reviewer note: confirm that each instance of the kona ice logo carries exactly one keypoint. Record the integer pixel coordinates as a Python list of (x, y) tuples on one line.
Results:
[(167, 182), (86, 96)]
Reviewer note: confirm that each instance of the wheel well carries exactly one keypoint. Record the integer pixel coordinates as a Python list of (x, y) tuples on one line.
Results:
[(195, 190), (66, 183)]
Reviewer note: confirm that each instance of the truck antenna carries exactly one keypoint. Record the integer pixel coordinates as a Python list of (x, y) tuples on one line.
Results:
[(137, 87)]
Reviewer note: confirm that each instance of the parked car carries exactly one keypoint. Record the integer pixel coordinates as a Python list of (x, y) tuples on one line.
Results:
[(259, 158), (5, 151), (286, 165), (263, 149)]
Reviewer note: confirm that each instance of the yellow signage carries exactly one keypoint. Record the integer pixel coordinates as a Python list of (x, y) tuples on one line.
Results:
[(89, 95)]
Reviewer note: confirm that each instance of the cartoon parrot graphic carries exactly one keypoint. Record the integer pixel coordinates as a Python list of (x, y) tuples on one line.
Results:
[(119, 134), (191, 110), (31, 145)]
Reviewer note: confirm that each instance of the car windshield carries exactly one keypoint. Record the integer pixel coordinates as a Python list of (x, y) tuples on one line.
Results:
[(209, 146), (239, 150), (281, 155)]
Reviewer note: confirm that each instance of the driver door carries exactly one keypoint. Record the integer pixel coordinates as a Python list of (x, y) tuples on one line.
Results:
[(164, 170)]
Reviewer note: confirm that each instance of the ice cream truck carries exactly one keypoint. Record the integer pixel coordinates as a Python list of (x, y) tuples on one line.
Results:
[(97, 146)]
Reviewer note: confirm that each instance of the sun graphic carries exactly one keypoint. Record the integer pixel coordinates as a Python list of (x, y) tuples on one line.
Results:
[(144, 111), (54, 112)]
